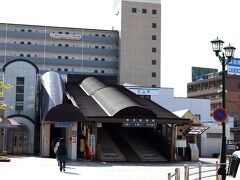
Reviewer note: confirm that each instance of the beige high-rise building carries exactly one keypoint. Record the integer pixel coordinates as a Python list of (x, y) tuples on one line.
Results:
[(139, 24)]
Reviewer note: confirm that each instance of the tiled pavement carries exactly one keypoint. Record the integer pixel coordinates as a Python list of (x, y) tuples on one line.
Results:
[(31, 167)]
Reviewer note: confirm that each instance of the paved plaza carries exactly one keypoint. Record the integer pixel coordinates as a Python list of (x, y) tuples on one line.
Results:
[(30, 167)]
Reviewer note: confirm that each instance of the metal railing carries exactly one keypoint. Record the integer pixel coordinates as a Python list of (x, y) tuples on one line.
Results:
[(197, 172), (176, 174)]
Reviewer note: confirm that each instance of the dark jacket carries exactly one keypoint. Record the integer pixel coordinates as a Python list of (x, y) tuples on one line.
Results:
[(62, 152)]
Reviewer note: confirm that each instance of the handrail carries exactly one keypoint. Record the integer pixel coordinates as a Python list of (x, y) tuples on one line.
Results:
[(200, 174), (176, 174)]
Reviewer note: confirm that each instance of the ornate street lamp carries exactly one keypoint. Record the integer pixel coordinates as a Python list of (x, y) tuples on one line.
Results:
[(217, 45)]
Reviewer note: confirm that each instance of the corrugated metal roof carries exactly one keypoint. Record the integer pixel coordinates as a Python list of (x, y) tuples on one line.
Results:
[(110, 99), (90, 85), (114, 103), (87, 105), (160, 111)]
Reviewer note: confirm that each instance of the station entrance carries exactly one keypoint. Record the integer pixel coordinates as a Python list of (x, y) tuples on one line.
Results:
[(130, 144)]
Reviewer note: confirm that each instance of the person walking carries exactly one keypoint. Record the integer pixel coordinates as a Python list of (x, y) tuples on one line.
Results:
[(55, 150), (62, 154)]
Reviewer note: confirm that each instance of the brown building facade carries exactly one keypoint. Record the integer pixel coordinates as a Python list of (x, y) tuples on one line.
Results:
[(210, 87)]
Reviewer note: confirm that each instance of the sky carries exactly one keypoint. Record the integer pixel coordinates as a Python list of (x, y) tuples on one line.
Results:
[(187, 28)]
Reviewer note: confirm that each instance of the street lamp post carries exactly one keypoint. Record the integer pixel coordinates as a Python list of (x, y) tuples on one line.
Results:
[(217, 45)]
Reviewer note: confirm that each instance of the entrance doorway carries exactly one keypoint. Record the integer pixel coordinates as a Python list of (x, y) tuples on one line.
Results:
[(18, 142), (55, 134)]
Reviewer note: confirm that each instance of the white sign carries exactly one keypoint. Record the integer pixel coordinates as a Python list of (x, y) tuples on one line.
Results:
[(144, 91), (74, 139), (65, 36), (99, 125), (181, 143)]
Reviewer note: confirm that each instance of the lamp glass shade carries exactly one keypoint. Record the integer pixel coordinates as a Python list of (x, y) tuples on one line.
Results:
[(217, 45), (229, 51)]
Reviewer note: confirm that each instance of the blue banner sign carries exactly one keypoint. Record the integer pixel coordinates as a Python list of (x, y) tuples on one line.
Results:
[(63, 124), (234, 66)]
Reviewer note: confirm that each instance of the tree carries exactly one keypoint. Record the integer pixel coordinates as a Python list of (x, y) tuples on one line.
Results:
[(3, 87)]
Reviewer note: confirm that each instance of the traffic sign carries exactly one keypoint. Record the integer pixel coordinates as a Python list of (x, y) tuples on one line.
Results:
[(220, 114)]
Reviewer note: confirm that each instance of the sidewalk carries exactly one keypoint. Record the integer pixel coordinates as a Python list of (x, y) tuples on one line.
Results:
[(45, 168)]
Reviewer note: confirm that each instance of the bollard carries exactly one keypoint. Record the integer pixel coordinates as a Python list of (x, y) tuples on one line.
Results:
[(177, 174), (169, 176), (200, 170), (186, 172)]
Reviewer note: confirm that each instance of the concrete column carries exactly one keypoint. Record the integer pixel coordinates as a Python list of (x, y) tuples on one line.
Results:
[(173, 150), (46, 140), (74, 142)]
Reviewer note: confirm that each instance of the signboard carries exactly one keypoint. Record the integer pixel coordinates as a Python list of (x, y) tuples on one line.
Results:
[(181, 143), (231, 147), (63, 125), (65, 36), (234, 66), (74, 139), (220, 114), (99, 125), (144, 90), (137, 124), (92, 144)]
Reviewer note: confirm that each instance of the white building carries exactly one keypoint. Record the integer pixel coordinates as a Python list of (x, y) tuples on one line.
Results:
[(210, 139)]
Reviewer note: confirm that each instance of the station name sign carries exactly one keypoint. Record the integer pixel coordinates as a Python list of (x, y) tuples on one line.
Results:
[(144, 90), (147, 123)]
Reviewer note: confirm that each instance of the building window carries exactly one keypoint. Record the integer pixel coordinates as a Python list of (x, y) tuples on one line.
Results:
[(144, 11), (96, 59), (214, 135), (198, 116), (19, 97), (154, 74), (28, 55), (96, 71), (154, 11), (59, 69), (154, 62), (59, 44), (29, 30), (103, 47), (103, 35), (96, 47), (154, 25), (21, 55), (66, 57), (65, 69), (19, 93), (154, 49), (66, 32), (19, 106), (154, 37), (29, 43), (22, 30), (66, 45), (103, 59), (102, 71), (21, 42), (96, 34), (134, 10), (59, 57)]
